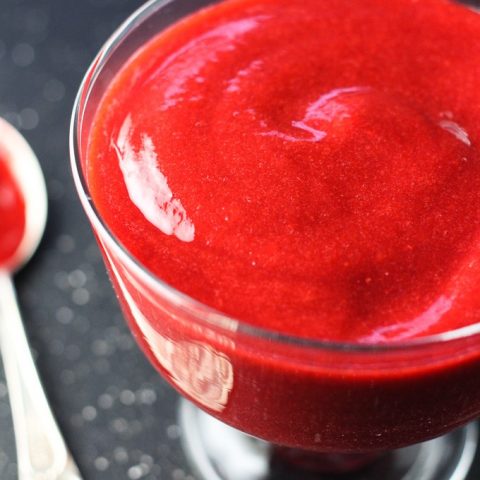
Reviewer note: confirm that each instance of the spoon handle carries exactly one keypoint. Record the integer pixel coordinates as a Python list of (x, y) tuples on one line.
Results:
[(41, 450)]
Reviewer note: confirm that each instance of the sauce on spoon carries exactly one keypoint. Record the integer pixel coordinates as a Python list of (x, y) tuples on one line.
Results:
[(12, 211)]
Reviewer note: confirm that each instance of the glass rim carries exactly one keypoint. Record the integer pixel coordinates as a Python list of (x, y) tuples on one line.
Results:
[(202, 312)]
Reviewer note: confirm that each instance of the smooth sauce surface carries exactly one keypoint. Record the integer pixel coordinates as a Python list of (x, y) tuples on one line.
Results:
[(307, 166)]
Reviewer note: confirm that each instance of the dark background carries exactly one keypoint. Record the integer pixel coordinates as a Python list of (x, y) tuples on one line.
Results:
[(117, 415)]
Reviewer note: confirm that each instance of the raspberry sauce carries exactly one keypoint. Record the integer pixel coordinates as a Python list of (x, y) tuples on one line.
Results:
[(12, 212), (310, 167)]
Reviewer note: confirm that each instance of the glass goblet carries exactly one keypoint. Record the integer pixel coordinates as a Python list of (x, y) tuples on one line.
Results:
[(263, 405)]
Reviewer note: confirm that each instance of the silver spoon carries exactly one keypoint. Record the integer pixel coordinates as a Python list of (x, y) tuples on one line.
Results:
[(41, 450)]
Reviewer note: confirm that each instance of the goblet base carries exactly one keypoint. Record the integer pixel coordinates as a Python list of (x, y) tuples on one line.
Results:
[(220, 452)]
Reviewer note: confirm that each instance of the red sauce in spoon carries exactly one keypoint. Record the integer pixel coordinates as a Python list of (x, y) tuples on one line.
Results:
[(12, 212)]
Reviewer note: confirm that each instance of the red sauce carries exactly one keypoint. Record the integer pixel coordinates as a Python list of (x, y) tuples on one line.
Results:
[(12, 212), (310, 167)]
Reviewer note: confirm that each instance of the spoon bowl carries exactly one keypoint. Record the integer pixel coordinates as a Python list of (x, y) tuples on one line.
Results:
[(41, 450), (24, 165)]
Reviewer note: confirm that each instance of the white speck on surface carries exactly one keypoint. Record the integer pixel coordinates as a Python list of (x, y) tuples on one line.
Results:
[(135, 472), (89, 413), (174, 432), (101, 348), (146, 469), (101, 464), (77, 279), (147, 396), (64, 315), (147, 460), (127, 397), (120, 455), (119, 425), (105, 401), (80, 296), (23, 54)]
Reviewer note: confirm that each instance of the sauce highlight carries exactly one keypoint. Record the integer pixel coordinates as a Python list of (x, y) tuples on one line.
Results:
[(310, 167)]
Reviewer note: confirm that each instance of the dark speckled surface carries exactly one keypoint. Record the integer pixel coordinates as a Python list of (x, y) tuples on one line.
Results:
[(117, 415)]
